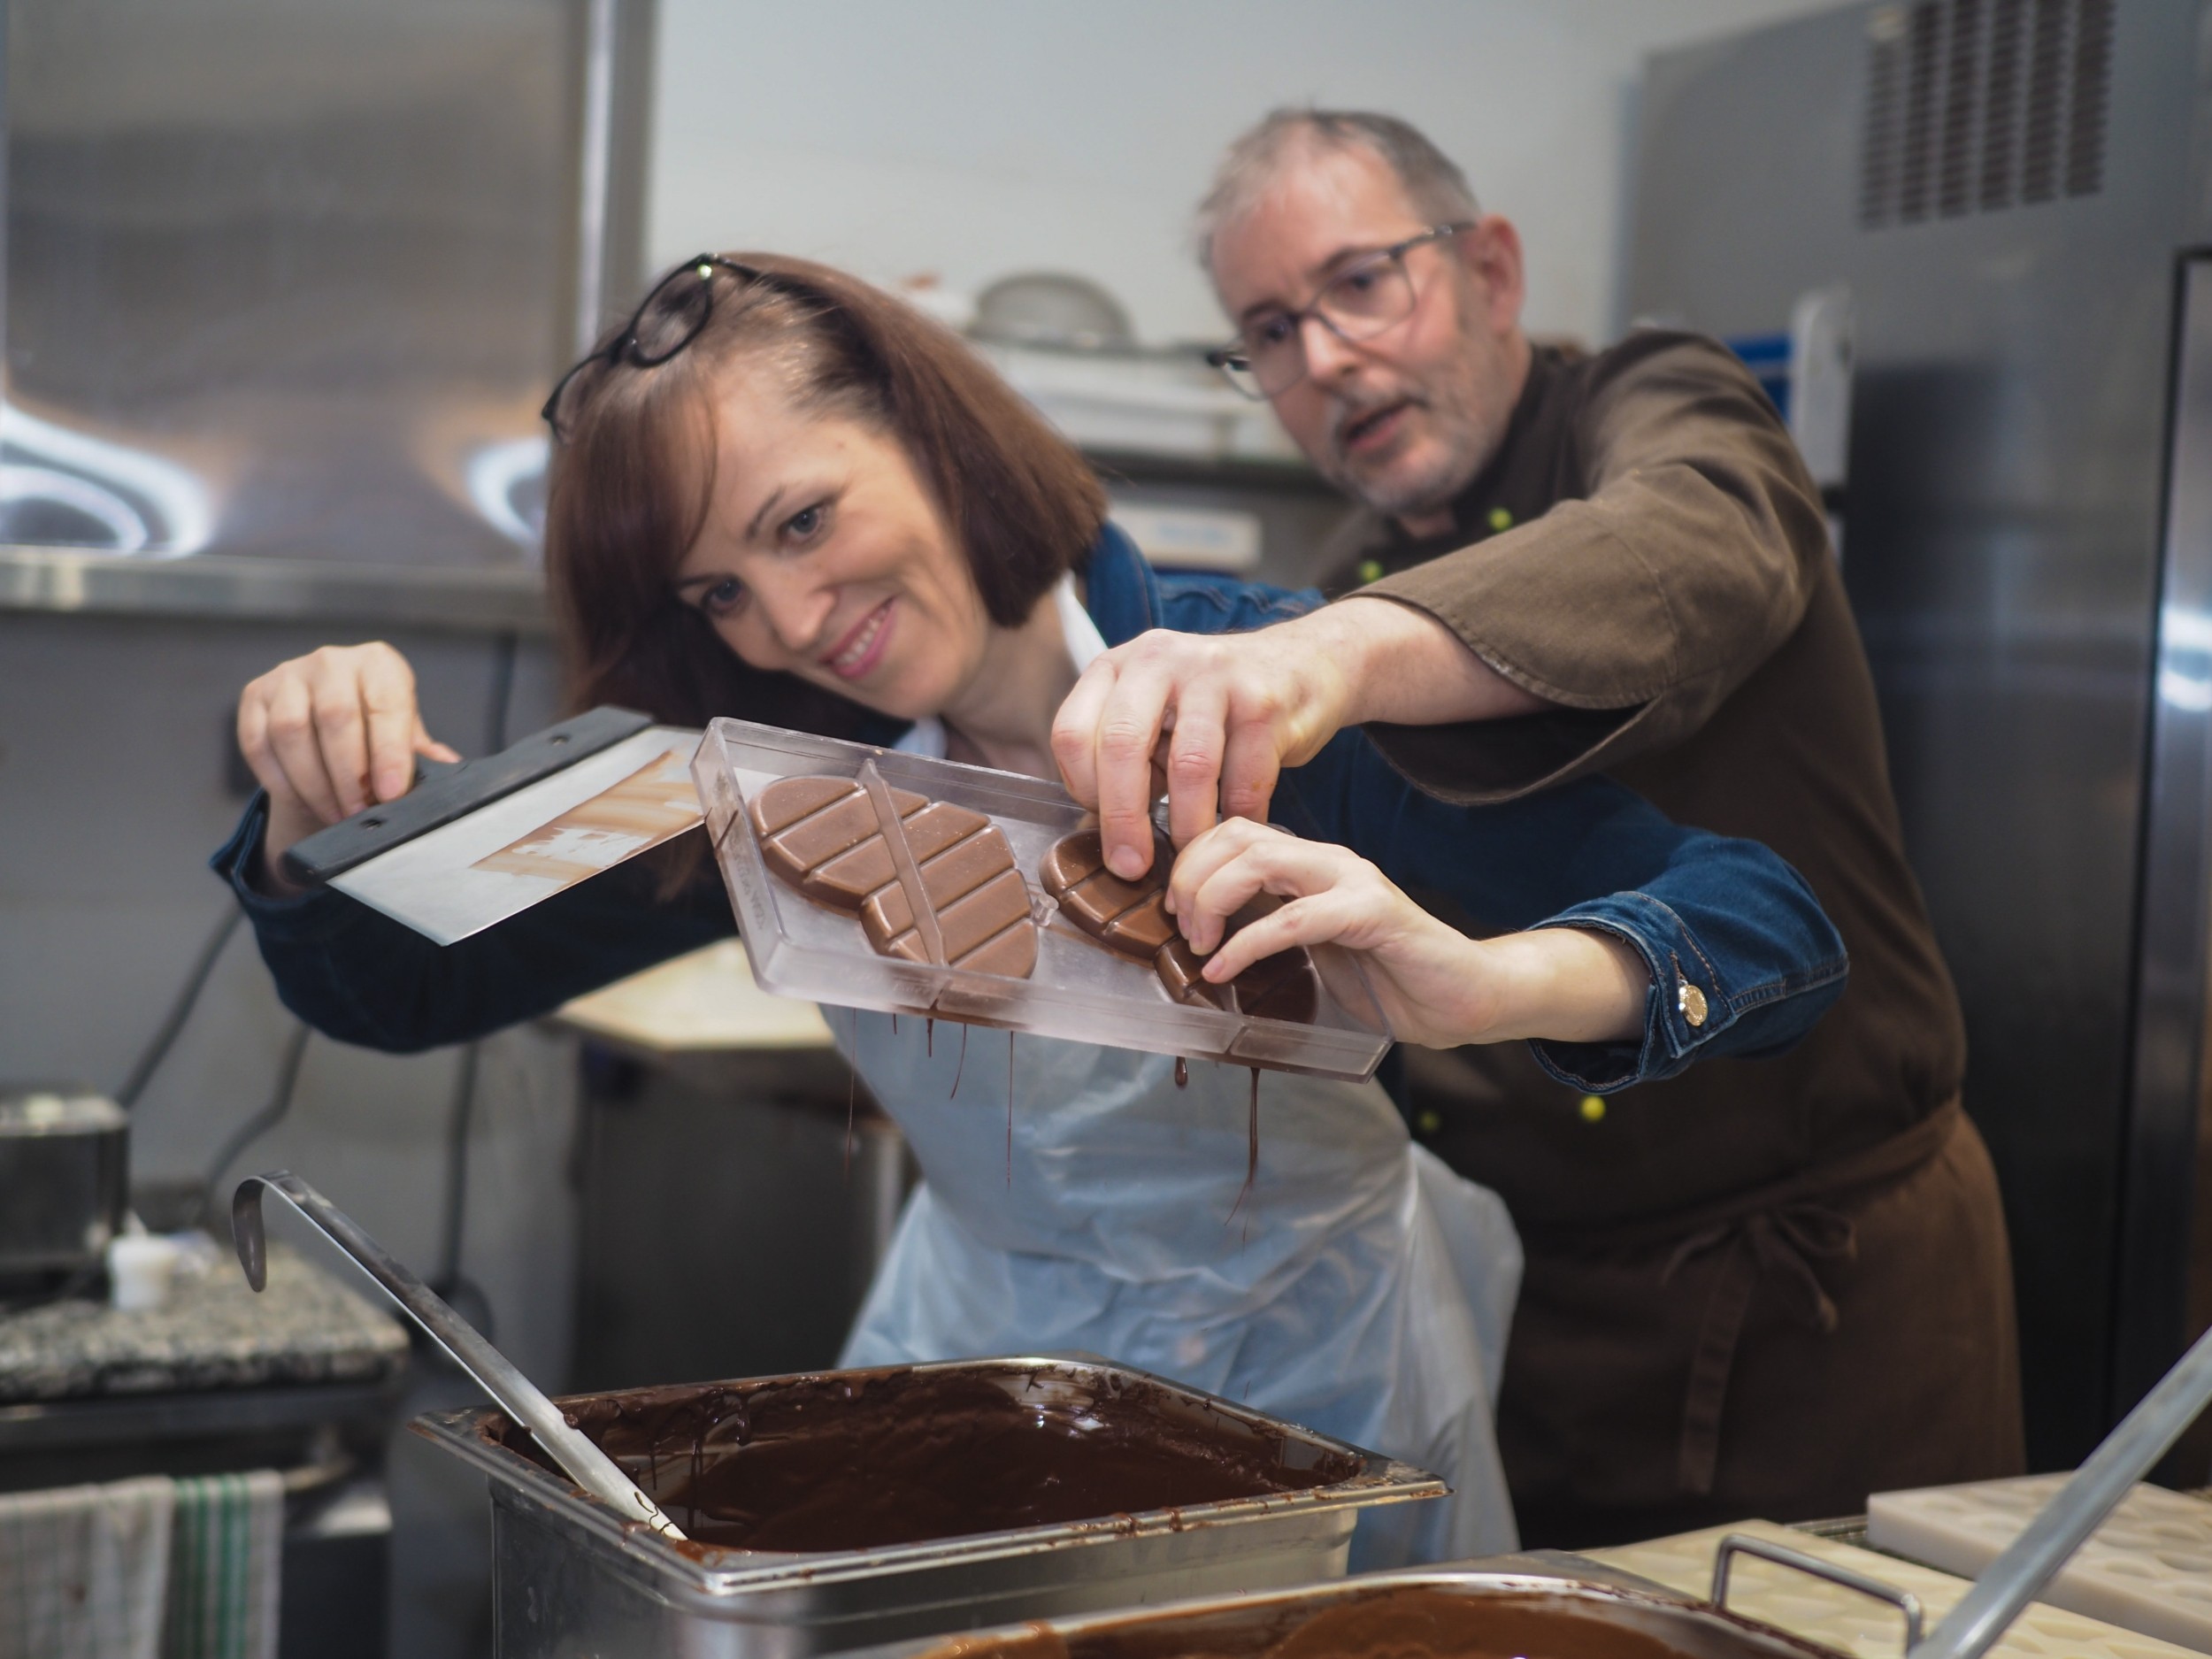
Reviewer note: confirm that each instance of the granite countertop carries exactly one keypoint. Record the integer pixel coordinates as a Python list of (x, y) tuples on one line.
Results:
[(213, 1332)]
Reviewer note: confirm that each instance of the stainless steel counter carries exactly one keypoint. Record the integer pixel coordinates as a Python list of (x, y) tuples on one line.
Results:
[(510, 599)]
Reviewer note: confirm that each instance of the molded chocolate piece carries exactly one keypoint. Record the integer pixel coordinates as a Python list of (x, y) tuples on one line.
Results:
[(1131, 917), (824, 836)]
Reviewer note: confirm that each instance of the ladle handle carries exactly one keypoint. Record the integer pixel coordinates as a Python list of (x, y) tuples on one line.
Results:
[(2126, 1455), (515, 1393)]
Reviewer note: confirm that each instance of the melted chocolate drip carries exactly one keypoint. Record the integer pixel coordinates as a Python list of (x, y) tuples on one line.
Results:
[(1182, 1073), (929, 1039), (960, 1065), (861, 1461), (1251, 1156), (852, 1090)]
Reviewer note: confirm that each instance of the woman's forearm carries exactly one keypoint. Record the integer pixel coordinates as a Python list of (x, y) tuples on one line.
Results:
[(1558, 984)]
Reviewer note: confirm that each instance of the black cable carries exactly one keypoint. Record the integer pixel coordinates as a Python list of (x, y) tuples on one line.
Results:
[(457, 1183), (451, 1282), (166, 1036), (503, 692), (261, 1122)]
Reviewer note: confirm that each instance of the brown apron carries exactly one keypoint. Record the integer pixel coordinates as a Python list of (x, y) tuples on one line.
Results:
[(1779, 1353), (1765, 1287)]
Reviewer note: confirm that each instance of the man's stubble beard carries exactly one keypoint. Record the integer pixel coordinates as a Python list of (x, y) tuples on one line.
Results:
[(1468, 428)]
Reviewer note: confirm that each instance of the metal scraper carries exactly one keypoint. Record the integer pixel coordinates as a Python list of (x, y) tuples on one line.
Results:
[(476, 843)]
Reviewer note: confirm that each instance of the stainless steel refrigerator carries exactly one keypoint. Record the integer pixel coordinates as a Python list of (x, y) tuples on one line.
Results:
[(2017, 195)]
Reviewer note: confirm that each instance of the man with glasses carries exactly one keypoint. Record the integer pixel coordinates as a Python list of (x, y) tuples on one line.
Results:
[(1775, 1285)]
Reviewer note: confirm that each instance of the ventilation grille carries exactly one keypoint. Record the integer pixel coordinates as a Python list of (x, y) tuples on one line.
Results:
[(1973, 106)]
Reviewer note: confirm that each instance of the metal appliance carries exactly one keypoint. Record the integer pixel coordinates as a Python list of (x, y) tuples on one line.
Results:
[(64, 1154), (2015, 193), (285, 285), (573, 1578), (1549, 1607)]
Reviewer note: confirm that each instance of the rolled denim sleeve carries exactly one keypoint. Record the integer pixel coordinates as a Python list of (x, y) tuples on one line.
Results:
[(1749, 987), (1743, 959)]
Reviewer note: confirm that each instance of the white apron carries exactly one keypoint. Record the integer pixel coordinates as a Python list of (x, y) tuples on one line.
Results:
[(1361, 1289)]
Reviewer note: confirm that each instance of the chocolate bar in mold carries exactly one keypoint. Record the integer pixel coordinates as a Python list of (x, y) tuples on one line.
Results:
[(826, 838), (1130, 918)]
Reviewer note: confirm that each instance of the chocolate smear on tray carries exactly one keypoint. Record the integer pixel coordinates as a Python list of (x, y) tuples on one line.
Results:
[(1131, 917), (930, 882), (863, 1460)]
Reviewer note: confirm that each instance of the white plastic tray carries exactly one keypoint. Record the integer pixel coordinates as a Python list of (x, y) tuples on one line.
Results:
[(2148, 1568), (1078, 990)]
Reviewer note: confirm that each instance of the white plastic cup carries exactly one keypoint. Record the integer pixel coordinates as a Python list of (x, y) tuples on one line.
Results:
[(140, 1268)]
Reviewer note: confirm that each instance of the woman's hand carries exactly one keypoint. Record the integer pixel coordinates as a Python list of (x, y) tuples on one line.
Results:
[(1437, 986), (329, 734)]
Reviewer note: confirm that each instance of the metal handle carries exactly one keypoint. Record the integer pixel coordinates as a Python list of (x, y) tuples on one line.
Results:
[(2125, 1455), (1739, 1544), (584, 1464)]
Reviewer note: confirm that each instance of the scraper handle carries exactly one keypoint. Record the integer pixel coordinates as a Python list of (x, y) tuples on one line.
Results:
[(449, 790), (516, 1394)]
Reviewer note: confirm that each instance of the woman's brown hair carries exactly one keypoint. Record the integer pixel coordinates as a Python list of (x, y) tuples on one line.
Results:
[(632, 477)]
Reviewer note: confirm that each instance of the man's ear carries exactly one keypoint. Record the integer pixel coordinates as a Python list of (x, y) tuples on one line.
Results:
[(1492, 249)]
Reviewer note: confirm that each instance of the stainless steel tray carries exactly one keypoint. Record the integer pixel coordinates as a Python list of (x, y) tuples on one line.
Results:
[(1245, 1626), (1078, 990), (573, 1578)]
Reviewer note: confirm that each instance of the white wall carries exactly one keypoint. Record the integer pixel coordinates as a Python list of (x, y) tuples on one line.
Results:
[(972, 138)]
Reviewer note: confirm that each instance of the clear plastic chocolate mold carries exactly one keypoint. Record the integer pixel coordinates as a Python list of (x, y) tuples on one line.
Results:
[(1077, 988)]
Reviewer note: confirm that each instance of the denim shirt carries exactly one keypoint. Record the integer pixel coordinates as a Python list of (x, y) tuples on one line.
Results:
[(1723, 918)]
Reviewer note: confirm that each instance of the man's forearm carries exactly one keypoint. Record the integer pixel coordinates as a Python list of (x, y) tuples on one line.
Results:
[(1403, 666)]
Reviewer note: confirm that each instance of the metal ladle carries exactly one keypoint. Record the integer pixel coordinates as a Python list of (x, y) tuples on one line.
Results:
[(2017, 1576), (584, 1462)]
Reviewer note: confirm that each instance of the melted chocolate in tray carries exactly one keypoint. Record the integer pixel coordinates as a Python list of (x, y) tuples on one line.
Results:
[(1412, 1622), (1131, 917), (865, 1460), (939, 885)]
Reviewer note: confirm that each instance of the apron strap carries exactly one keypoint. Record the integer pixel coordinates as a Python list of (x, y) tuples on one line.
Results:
[(1781, 1245)]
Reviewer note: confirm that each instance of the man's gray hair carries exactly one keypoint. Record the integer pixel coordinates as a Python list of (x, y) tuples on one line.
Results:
[(1432, 182)]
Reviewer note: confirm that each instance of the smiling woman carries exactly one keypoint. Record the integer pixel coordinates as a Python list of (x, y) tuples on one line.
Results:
[(820, 507), (780, 493)]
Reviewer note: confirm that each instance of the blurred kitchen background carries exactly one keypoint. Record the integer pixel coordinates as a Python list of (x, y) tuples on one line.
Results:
[(285, 282)]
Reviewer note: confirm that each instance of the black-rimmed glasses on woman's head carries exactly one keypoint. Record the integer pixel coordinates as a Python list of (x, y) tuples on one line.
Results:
[(1374, 292), (667, 320)]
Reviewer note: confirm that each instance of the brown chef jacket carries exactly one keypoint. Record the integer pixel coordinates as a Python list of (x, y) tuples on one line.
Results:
[(1766, 1286)]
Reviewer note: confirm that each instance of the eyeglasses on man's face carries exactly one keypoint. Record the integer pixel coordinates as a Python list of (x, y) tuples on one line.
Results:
[(667, 320), (1374, 292)]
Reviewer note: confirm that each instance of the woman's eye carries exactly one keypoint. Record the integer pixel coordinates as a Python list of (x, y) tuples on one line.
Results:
[(804, 524), (723, 597)]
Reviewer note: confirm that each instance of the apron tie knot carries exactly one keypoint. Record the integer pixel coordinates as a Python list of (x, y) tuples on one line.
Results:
[(1781, 1244)]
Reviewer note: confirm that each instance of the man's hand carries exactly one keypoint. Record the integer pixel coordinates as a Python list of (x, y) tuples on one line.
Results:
[(329, 733), (1218, 716), (1437, 986)]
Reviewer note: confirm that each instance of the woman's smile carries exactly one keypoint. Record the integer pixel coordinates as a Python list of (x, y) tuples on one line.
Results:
[(863, 647)]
